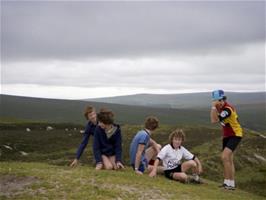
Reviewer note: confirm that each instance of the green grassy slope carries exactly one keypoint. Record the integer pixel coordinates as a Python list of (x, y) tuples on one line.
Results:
[(58, 147), (57, 182)]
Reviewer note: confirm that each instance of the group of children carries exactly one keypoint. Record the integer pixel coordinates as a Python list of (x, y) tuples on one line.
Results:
[(147, 155)]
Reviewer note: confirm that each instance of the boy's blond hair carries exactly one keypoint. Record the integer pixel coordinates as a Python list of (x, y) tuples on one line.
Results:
[(178, 133)]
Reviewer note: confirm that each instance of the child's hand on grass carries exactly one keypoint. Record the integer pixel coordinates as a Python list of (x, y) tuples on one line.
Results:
[(74, 163), (152, 173), (99, 166)]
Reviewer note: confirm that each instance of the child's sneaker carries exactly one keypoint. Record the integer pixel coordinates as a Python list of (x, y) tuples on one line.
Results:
[(195, 179)]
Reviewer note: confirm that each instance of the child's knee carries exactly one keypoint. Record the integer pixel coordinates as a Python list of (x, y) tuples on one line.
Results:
[(225, 158), (108, 167), (183, 178), (193, 163)]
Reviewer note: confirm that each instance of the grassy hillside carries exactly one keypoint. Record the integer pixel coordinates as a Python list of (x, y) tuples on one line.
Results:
[(15, 108), (58, 147), (44, 181), (60, 111)]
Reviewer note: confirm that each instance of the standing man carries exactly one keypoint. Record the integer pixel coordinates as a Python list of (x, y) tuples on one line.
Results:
[(90, 115), (223, 112)]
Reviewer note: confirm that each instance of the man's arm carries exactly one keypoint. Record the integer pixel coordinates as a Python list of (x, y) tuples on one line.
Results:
[(214, 113), (140, 149)]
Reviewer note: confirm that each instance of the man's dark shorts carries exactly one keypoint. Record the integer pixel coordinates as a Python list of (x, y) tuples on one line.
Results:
[(231, 142), (169, 173)]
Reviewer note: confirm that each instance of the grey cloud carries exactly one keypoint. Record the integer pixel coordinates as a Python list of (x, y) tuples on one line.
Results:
[(123, 76), (77, 30)]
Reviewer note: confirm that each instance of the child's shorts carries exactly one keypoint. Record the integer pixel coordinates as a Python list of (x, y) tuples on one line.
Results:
[(169, 173)]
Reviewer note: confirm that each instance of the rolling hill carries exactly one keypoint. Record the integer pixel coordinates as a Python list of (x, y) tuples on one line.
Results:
[(188, 100), (15, 108), (58, 111)]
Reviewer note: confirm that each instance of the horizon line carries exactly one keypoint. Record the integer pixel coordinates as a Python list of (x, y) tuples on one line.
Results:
[(82, 99)]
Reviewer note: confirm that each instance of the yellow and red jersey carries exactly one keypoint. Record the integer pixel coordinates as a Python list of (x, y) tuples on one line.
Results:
[(229, 121)]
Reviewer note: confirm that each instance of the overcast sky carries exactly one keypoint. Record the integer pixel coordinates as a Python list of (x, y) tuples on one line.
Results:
[(75, 50)]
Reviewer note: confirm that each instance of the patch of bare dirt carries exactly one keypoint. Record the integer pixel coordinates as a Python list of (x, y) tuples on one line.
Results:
[(10, 185), (151, 193)]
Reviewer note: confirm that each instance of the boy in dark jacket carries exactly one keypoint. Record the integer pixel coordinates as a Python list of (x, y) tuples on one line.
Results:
[(107, 145), (90, 115)]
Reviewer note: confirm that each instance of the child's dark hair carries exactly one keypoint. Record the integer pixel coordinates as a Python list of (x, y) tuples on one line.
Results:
[(88, 110), (151, 123), (105, 116), (178, 133)]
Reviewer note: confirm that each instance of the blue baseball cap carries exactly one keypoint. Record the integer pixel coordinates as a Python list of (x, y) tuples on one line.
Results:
[(217, 95)]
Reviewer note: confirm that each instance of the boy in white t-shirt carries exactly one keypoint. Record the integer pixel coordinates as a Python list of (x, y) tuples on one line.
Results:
[(172, 154)]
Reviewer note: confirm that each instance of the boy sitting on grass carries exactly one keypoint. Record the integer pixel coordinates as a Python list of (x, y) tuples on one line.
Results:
[(143, 149), (171, 156)]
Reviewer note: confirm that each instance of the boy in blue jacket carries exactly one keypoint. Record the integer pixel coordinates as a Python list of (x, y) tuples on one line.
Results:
[(90, 115), (107, 144)]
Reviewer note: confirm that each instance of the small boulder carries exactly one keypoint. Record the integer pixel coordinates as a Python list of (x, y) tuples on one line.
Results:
[(8, 147), (23, 153), (49, 128)]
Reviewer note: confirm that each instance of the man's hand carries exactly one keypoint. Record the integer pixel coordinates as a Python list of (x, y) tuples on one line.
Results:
[(74, 163), (215, 103), (99, 166)]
